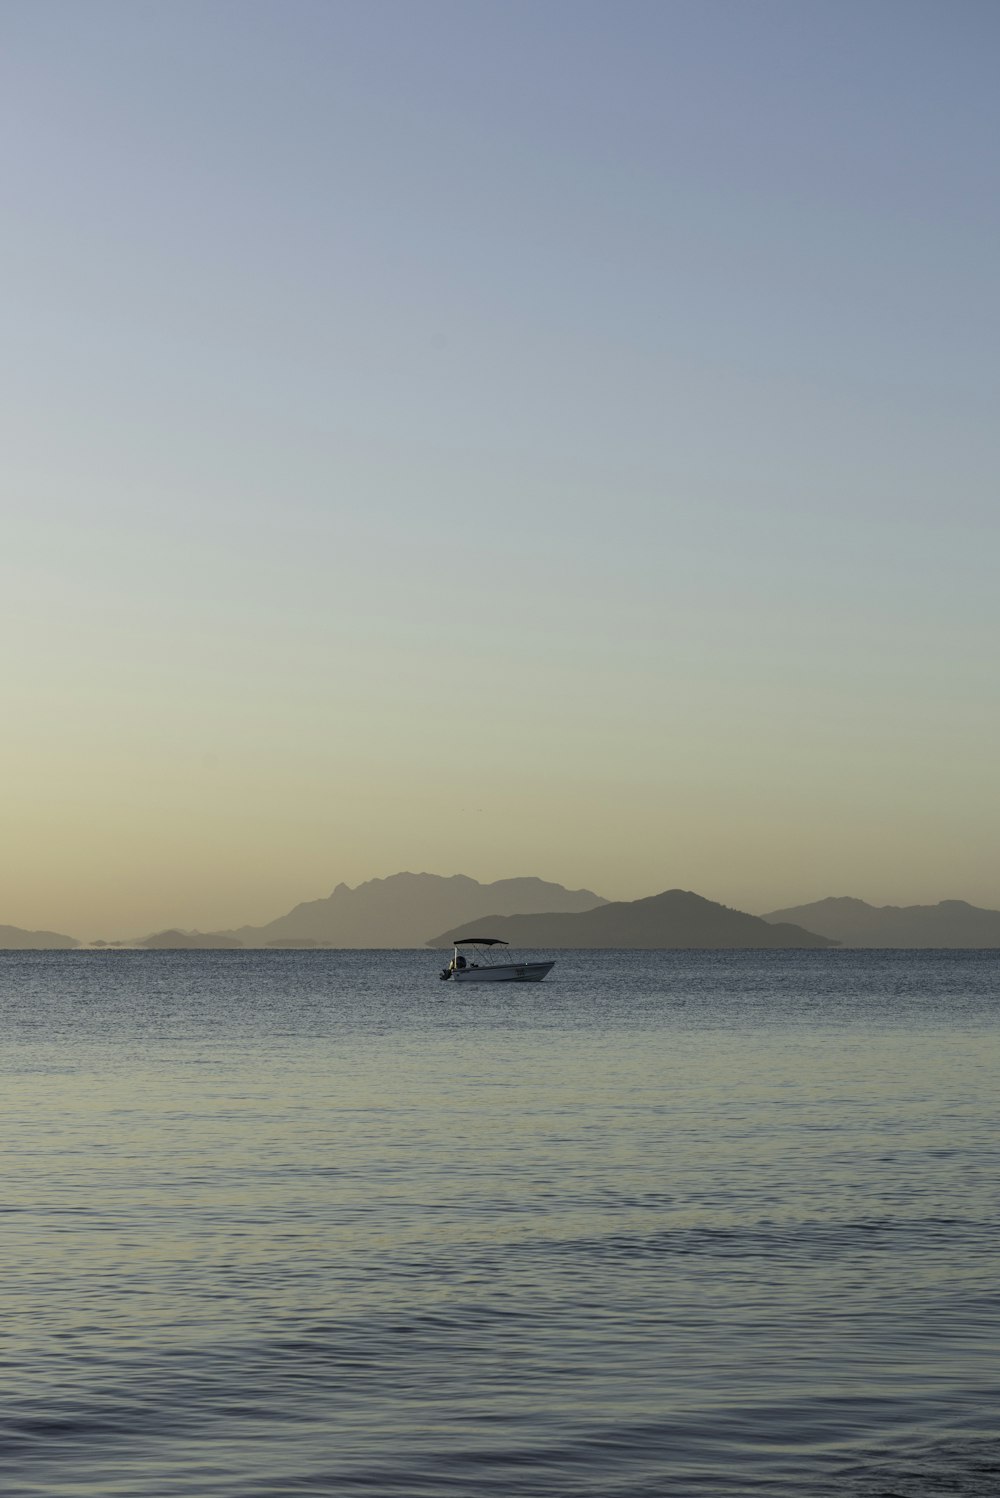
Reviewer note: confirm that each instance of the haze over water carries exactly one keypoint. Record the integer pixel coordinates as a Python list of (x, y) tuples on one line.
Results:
[(671, 1224)]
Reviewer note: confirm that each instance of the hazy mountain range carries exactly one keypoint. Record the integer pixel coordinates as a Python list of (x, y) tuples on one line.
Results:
[(405, 910), (12, 938), (174, 940), (675, 919), (853, 923)]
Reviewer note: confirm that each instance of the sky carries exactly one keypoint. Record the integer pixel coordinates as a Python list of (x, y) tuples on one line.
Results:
[(499, 438)]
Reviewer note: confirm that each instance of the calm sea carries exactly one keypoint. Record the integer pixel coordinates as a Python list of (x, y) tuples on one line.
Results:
[(668, 1224)]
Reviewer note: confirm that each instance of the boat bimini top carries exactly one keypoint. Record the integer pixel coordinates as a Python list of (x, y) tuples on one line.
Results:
[(495, 967)]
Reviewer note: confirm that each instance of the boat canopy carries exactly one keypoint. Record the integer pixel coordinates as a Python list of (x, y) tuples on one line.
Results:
[(481, 941)]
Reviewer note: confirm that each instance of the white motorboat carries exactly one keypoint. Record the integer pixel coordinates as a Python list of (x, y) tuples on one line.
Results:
[(476, 960)]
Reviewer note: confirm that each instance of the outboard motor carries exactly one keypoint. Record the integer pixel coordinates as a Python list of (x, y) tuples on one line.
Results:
[(445, 973)]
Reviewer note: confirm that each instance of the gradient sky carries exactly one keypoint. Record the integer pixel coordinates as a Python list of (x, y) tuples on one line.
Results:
[(501, 438)]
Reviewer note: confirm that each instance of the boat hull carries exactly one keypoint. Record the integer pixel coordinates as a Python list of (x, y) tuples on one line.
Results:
[(514, 972)]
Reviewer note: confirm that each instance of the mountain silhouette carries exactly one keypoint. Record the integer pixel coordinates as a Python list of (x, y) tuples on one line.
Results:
[(172, 940), (853, 923), (399, 911), (675, 919), (13, 938)]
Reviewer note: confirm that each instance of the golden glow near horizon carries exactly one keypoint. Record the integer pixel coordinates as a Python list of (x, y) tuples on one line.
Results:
[(372, 506)]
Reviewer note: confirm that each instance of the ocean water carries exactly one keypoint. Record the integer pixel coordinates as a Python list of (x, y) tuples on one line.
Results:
[(668, 1224)]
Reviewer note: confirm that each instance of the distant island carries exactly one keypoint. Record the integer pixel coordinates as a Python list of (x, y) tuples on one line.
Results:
[(673, 920), (853, 923), (13, 938), (173, 941), (402, 910), (398, 911)]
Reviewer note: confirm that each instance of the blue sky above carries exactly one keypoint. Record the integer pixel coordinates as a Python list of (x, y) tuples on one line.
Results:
[(640, 358)]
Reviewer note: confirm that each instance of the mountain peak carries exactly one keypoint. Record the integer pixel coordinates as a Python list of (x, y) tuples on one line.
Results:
[(403, 909), (674, 919), (854, 923)]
